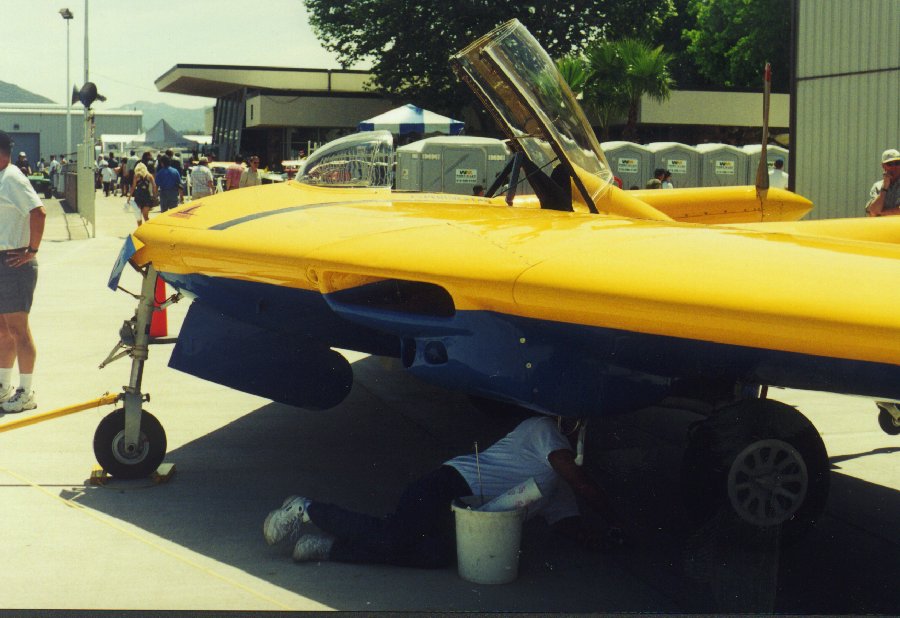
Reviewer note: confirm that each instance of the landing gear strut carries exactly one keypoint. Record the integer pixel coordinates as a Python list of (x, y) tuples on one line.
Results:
[(130, 443)]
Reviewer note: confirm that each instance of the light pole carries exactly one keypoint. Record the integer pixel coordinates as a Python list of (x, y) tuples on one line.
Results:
[(67, 15)]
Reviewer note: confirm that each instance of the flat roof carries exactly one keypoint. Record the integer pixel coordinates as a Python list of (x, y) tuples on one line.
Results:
[(214, 80)]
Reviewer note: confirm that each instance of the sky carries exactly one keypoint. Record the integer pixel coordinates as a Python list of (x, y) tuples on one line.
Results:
[(131, 43)]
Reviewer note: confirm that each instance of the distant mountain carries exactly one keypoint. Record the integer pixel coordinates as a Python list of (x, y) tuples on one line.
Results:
[(188, 121), (10, 93)]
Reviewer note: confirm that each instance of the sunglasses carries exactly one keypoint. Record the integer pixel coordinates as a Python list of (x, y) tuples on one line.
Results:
[(892, 163)]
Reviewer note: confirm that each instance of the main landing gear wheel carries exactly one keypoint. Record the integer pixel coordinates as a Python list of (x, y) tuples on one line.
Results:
[(886, 420), (112, 455), (763, 462)]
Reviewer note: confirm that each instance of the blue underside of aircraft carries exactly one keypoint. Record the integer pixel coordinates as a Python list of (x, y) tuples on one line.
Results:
[(276, 342)]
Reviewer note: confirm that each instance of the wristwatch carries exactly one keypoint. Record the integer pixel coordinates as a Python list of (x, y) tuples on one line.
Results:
[(31, 250)]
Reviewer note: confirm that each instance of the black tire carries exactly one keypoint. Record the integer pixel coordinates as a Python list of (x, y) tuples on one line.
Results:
[(109, 441), (761, 462), (887, 423)]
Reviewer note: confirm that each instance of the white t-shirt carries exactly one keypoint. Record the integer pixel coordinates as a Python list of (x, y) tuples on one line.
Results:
[(520, 455), (778, 179), (17, 200)]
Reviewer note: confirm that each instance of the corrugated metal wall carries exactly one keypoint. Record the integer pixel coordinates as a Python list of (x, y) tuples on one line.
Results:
[(51, 125), (847, 97)]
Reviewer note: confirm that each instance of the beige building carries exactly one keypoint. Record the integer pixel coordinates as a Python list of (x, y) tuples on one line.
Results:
[(276, 113)]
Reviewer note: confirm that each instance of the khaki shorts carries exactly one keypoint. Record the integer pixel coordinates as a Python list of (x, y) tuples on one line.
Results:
[(17, 286)]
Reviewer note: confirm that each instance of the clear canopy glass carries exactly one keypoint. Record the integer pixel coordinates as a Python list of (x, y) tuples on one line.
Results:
[(359, 160), (519, 83)]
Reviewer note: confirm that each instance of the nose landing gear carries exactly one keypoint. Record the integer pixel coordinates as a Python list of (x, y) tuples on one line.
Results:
[(130, 442)]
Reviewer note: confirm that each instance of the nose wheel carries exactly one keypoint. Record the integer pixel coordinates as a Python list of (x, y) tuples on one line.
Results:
[(125, 461)]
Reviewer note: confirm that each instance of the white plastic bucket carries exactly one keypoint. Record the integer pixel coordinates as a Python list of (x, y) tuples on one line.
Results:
[(487, 544)]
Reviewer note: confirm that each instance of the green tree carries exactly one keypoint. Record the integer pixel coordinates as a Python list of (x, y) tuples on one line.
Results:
[(409, 42), (622, 72), (733, 39), (574, 71)]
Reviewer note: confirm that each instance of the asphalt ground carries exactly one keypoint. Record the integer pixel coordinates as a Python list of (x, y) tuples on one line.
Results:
[(195, 542)]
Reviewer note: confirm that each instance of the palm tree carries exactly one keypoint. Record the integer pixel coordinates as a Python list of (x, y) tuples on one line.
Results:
[(620, 73), (574, 71)]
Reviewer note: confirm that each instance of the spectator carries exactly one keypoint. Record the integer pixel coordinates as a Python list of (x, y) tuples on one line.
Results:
[(250, 176), (143, 190), (778, 178), (667, 180), (108, 177), (885, 193), (201, 180), (21, 230), (168, 184), (233, 173), (23, 164)]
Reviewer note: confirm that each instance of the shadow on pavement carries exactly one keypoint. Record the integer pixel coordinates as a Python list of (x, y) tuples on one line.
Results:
[(392, 429)]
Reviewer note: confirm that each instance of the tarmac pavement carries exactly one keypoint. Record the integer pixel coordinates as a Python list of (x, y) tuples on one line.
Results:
[(195, 542)]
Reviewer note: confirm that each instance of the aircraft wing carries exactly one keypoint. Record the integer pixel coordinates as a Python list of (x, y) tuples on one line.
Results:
[(742, 287)]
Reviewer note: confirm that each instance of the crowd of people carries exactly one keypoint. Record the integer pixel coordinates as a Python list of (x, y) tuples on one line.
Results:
[(165, 180)]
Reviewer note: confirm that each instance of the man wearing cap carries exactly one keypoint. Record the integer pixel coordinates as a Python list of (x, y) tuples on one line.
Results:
[(21, 229), (778, 178), (885, 194), (23, 164)]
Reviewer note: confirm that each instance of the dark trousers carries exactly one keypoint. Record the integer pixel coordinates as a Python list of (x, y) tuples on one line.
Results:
[(419, 533)]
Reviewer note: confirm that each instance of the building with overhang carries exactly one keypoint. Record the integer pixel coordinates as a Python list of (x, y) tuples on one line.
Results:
[(276, 113)]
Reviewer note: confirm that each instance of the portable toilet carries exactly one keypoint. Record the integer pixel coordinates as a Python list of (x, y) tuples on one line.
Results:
[(772, 152), (722, 165), (450, 164), (631, 162), (680, 159)]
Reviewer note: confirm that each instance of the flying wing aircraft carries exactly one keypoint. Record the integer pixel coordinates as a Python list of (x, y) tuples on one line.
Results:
[(580, 300)]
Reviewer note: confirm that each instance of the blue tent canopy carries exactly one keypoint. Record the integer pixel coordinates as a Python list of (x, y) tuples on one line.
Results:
[(412, 119)]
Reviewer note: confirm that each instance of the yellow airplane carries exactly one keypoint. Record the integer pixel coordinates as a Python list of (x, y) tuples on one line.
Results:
[(580, 300)]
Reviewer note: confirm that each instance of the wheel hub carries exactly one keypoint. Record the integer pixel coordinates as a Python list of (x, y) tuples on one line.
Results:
[(129, 456), (767, 482)]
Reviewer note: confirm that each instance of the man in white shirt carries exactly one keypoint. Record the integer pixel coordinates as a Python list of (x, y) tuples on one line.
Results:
[(419, 533), (201, 180), (778, 178), (21, 230)]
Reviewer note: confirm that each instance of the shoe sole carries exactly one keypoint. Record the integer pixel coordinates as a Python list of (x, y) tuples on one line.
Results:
[(25, 408), (269, 537)]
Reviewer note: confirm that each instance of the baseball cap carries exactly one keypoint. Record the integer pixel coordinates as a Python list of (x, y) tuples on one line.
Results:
[(6, 142), (891, 154)]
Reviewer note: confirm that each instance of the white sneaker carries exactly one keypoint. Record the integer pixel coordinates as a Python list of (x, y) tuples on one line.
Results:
[(6, 391), (285, 522), (19, 402), (313, 547)]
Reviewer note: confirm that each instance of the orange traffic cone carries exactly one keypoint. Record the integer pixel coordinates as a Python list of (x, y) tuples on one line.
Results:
[(158, 322)]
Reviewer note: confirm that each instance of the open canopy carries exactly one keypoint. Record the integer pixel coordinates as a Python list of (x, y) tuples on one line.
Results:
[(412, 119)]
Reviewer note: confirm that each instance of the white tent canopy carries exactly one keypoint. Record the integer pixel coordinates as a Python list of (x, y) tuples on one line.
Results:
[(412, 119)]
